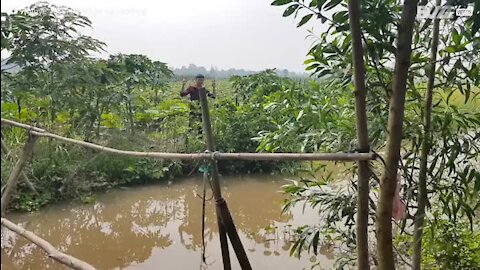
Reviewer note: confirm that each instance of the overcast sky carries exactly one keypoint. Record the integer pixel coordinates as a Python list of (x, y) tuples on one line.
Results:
[(247, 34)]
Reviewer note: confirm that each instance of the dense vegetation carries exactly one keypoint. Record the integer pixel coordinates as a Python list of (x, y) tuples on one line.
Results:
[(131, 102), (439, 142)]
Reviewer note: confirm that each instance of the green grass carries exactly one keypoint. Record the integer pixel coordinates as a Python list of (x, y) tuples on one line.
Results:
[(458, 99)]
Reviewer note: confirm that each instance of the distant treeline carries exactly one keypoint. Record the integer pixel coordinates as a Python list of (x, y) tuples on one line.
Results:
[(213, 72), (191, 71)]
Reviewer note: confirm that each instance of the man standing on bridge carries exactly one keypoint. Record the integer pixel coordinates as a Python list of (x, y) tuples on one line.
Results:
[(193, 91)]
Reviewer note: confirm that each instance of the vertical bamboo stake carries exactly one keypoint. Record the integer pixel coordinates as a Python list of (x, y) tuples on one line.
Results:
[(222, 233), (425, 150), (363, 188), (9, 155), (224, 218), (216, 190), (12, 179)]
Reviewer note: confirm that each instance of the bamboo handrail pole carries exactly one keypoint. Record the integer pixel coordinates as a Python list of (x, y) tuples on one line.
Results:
[(203, 156), (296, 156), (218, 155), (52, 252), (158, 155), (20, 125)]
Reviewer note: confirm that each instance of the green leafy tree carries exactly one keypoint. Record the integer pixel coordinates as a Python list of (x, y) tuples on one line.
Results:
[(330, 57), (40, 37), (43, 34), (133, 72), (158, 79), (92, 91)]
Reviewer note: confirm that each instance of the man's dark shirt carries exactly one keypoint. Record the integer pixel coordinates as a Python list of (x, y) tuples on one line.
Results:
[(194, 93)]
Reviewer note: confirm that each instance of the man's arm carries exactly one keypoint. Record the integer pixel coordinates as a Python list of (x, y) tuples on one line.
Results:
[(211, 95), (183, 91)]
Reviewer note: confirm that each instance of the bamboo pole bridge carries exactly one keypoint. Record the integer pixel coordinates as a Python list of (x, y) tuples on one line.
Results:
[(226, 226)]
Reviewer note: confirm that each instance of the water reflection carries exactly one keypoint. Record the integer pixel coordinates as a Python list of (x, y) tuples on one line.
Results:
[(158, 227)]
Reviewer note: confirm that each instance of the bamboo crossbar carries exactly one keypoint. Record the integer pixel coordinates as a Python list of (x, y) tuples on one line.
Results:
[(52, 252), (20, 125), (201, 156), (294, 156)]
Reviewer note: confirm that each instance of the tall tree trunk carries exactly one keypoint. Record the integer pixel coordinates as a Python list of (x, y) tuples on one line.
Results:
[(130, 117), (19, 108), (155, 99), (53, 111), (388, 180), (129, 109), (93, 119), (99, 121), (362, 134), (426, 146)]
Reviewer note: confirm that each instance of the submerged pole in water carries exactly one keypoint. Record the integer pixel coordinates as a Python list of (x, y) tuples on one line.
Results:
[(224, 218)]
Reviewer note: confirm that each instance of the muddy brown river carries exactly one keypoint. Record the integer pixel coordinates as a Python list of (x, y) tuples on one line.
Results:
[(159, 227)]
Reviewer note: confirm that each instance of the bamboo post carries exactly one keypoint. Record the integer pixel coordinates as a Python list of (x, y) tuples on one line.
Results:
[(9, 155), (222, 233), (52, 252), (16, 171), (224, 217), (363, 188), (216, 190)]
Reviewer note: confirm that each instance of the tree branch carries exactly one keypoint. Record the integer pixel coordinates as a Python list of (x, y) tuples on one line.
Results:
[(319, 15)]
